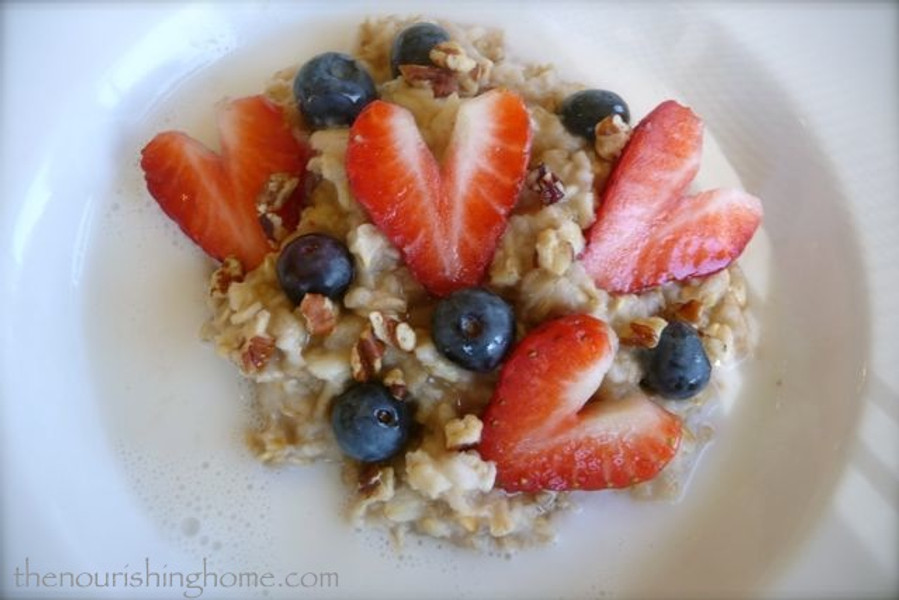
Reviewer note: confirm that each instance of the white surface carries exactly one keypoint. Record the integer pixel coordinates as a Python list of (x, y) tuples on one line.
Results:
[(116, 420), (842, 62)]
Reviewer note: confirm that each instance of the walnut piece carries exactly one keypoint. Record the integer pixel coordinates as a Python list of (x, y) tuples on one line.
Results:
[(320, 314), (393, 331), (366, 355)]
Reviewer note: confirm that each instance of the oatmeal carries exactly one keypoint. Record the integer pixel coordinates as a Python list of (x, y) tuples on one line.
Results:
[(304, 353)]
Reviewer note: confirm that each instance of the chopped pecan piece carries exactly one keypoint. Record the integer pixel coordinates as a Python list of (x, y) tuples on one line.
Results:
[(443, 82), (395, 381), (452, 71), (393, 331), (690, 311), (376, 481), (547, 185), (369, 478), (642, 332), (256, 353), (277, 191), (228, 272), (365, 356), (320, 314)]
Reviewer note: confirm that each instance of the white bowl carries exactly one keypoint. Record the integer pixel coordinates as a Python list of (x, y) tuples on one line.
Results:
[(122, 430)]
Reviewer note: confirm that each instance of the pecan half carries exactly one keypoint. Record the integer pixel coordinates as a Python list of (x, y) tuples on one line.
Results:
[(320, 314)]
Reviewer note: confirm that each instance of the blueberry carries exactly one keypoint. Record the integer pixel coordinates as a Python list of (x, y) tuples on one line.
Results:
[(474, 328), (412, 46), (369, 423), (678, 367), (582, 110), (314, 263), (332, 89)]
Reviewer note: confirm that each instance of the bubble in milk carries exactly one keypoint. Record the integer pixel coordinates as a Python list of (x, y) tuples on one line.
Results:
[(190, 526)]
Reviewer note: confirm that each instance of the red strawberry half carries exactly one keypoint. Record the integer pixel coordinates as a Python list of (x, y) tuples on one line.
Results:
[(647, 231), (542, 433), (445, 219), (213, 197)]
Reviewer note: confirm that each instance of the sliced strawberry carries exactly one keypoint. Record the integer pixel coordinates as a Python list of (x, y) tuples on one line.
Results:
[(702, 234), (257, 142), (191, 185), (646, 231), (541, 435), (213, 197), (445, 220), (396, 178)]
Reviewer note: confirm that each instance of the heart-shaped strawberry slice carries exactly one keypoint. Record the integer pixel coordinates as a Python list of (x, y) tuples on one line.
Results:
[(647, 232), (213, 196), (543, 431), (446, 219)]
